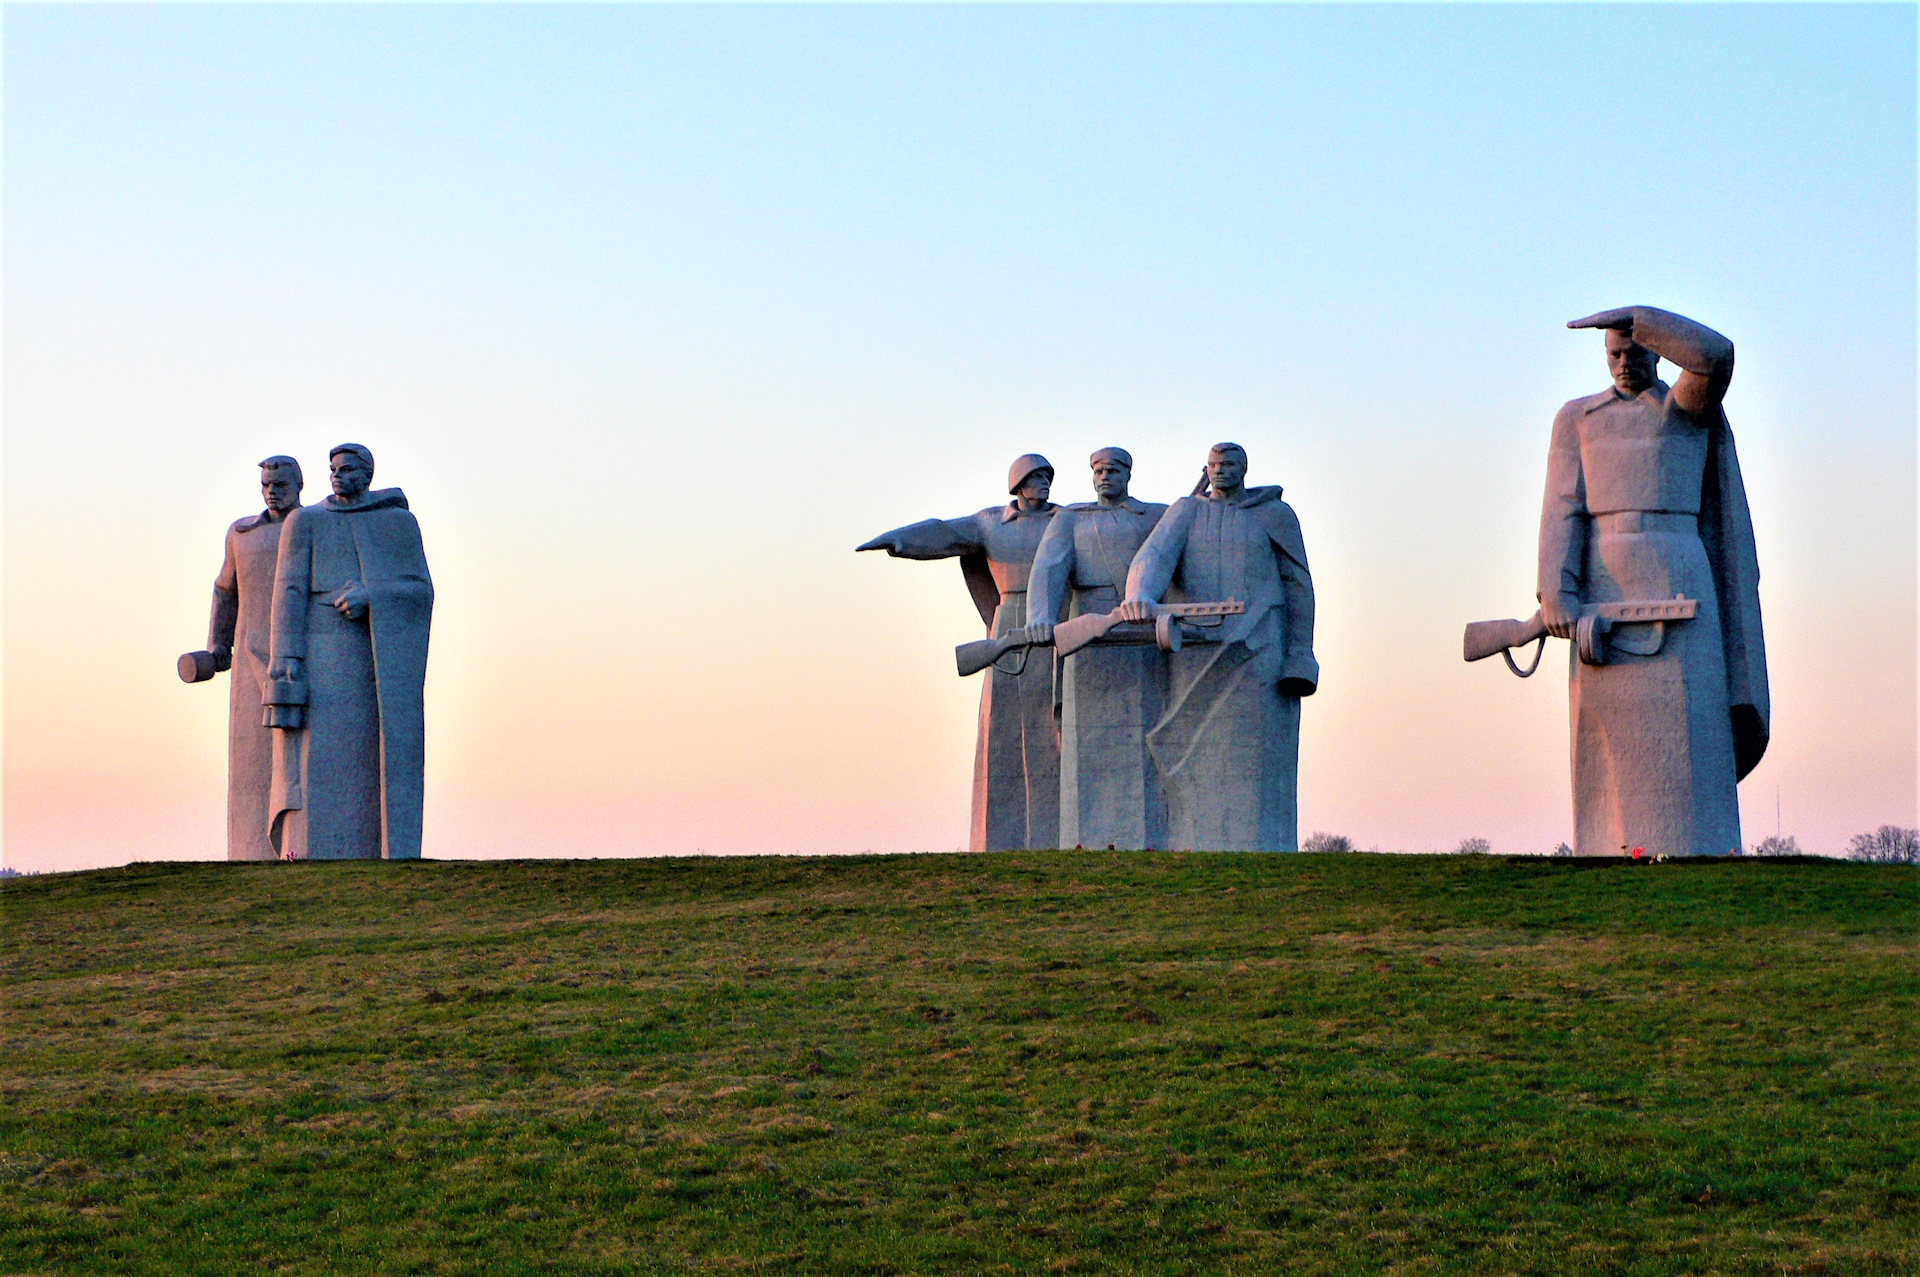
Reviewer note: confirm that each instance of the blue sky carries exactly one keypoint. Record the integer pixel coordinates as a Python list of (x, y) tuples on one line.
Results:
[(655, 311)]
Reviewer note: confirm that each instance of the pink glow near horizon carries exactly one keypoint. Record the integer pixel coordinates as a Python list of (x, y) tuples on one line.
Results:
[(656, 313)]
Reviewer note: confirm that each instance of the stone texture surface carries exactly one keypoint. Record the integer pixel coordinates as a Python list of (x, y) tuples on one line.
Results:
[(353, 606), (241, 626), (1227, 747), (1107, 697), (1016, 769), (1644, 500)]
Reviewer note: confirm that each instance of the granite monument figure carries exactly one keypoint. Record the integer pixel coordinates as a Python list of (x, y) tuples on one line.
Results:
[(1648, 563), (1016, 759), (1227, 747), (1108, 695), (353, 605), (238, 637)]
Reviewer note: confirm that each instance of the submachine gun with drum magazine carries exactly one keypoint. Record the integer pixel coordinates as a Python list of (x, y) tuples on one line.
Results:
[(1594, 636), (1173, 624)]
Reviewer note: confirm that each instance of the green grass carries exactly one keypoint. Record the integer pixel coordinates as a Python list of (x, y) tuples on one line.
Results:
[(1131, 1063)]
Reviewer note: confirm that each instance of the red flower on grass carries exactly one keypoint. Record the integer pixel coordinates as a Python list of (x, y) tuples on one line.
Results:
[(1638, 852)]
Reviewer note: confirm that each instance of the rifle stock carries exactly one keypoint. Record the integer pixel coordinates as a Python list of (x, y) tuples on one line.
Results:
[(1489, 638), (973, 657), (1068, 637)]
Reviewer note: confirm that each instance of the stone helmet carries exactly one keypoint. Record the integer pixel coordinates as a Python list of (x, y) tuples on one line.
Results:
[(1023, 468)]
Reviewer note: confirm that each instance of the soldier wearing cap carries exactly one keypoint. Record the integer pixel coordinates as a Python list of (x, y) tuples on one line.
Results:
[(1107, 698), (1644, 500), (1016, 759)]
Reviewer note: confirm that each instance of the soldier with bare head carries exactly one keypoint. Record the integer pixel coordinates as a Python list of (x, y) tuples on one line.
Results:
[(1228, 745), (237, 640), (353, 604)]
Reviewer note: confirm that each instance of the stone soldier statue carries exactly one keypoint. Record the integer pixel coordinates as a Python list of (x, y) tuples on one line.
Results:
[(1016, 757), (1644, 501), (1228, 745), (238, 638), (1107, 697), (351, 613)]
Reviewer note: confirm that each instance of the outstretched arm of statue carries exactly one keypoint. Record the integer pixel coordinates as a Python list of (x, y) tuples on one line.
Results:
[(928, 539), (1704, 356)]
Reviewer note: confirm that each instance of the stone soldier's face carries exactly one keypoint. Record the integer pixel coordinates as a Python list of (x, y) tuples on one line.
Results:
[(280, 489), (1110, 479), (351, 475), (1037, 486), (1226, 470), (1633, 366)]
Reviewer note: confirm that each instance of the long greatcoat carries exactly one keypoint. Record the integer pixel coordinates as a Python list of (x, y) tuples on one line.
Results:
[(1228, 746), (1016, 755), (1644, 501), (243, 621), (354, 789), (1107, 698)]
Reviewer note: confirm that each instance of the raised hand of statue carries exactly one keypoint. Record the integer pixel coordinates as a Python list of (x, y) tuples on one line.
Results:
[(1620, 318), (882, 542), (1136, 610), (222, 658), (351, 601)]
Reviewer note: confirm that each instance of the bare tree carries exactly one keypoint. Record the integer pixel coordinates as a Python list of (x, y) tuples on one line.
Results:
[(1889, 844), (1775, 845), (1473, 847), (1324, 842)]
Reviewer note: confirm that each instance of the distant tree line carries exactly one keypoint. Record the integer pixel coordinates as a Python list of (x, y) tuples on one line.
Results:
[(1889, 844)]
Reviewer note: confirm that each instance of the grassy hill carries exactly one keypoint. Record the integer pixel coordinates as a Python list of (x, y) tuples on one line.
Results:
[(1060, 1062)]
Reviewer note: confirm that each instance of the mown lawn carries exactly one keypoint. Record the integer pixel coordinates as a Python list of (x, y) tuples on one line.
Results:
[(1059, 1062)]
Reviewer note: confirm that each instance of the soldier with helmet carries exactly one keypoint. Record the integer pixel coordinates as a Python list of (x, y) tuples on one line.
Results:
[(1016, 761)]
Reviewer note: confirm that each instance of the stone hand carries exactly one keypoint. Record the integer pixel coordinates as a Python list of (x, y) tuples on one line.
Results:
[(1620, 318), (1136, 610), (881, 542), (222, 658), (1038, 632), (1560, 615), (351, 602), (287, 668)]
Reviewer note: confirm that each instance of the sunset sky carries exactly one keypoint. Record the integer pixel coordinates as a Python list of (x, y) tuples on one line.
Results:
[(656, 312)]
